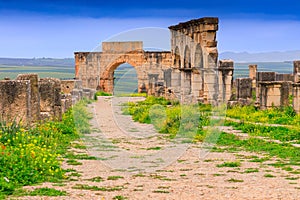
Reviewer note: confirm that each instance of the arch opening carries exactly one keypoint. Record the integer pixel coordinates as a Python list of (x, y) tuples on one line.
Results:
[(187, 58), (177, 60), (125, 80)]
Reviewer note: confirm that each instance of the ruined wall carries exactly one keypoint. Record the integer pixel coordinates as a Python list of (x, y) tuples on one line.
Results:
[(15, 101), (194, 59), (190, 71), (244, 90), (274, 94), (67, 86), (50, 99), (96, 69), (34, 95)]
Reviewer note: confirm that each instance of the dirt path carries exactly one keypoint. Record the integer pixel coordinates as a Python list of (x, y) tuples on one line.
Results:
[(136, 162)]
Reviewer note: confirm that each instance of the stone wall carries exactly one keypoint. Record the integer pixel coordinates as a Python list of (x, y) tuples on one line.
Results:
[(15, 103), (68, 85), (50, 99), (34, 94), (244, 90), (274, 94), (189, 71), (30, 99)]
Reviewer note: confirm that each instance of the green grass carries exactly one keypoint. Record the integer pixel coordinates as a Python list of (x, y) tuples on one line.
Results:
[(169, 117), (79, 156), (273, 132), (269, 176), (232, 180), (251, 170), (270, 116), (154, 148), (119, 197), (40, 192), (34, 155), (95, 188), (284, 151), (114, 177), (230, 164), (96, 179), (73, 162)]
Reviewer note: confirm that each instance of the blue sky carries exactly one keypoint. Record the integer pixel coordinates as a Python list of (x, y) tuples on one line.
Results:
[(57, 28)]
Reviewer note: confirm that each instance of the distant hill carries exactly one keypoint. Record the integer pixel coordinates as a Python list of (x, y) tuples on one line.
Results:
[(261, 57), (66, 62)]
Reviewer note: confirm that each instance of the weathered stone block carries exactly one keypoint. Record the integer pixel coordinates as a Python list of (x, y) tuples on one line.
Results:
[(68, 85), (50, 97), (34, 93), (274, 94), (266, 76), (15, 101), (244, 88), (285, 77)]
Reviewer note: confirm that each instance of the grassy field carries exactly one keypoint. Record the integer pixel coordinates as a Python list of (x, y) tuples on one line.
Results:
[(43, 71)]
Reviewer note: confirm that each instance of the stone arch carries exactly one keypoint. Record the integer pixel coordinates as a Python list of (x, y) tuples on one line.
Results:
[(107, 77), (187, 57), (177, 59)]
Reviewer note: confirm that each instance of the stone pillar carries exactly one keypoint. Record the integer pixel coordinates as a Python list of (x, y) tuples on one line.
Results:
[(296, 95), (176, 82), (225, 79), (197, 85), (244, 90), (34, 93), (15, 101), (297, 71), (252, 74), (50, 98)]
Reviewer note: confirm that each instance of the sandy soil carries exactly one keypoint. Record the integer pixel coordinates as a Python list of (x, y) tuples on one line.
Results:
[(153, 167)]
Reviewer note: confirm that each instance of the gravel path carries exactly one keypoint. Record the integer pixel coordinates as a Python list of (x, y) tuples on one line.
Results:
[(136, 162)]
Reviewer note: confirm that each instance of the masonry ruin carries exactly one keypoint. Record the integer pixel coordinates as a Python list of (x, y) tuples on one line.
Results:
[(28, 99), (190, 72)]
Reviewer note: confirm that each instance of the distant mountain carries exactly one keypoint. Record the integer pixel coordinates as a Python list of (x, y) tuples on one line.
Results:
[(66, 62), (261, 57)]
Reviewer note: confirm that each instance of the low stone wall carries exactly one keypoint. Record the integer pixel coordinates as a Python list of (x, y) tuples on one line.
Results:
[(30, 99)]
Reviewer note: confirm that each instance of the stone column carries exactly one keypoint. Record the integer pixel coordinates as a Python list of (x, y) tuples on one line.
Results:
[(225, 79), (176, 82), (252, 74)]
